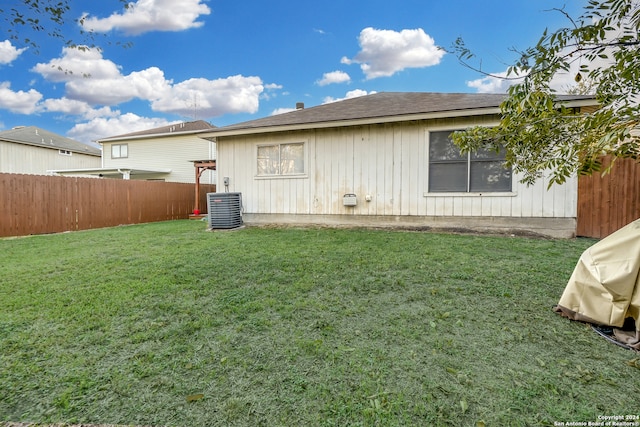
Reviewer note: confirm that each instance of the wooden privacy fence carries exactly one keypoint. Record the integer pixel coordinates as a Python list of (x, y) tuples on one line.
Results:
[(35, 204), (608, 203)]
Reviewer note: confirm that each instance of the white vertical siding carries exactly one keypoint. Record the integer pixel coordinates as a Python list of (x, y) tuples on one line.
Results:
[(167, 152), (30, 159), (388, 162)]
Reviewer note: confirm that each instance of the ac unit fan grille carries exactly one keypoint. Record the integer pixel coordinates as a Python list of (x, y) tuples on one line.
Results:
[(225, 210)]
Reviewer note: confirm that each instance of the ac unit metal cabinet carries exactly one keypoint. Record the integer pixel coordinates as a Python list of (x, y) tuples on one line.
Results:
[(225, 210)]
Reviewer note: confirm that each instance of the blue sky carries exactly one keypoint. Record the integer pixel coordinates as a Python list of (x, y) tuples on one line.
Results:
[(230, 61)]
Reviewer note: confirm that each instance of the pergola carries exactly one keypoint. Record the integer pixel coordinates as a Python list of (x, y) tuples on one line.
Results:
[(201, 166)]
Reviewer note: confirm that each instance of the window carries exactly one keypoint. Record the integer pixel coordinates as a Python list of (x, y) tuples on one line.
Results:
[(119, 151), (281, 159), (64, 152), (449, 171)]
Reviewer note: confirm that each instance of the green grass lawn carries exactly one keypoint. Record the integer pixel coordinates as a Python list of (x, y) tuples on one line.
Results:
[(167, 324)]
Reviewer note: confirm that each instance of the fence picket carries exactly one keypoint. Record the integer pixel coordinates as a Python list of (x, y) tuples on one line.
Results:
[(37, 204)]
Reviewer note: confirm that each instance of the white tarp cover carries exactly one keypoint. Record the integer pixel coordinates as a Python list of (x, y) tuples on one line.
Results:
[(604, 288)]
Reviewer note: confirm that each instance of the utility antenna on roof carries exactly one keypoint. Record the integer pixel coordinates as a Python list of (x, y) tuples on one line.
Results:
[(194, 106)]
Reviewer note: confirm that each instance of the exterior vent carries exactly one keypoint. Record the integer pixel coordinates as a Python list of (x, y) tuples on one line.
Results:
[(225, 210), (349, 200), (299, 105)]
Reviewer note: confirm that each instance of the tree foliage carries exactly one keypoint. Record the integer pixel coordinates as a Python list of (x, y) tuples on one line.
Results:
[(540, 133), (27, 21)]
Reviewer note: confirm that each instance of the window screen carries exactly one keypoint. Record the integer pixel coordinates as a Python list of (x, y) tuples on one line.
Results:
[(450, 171)]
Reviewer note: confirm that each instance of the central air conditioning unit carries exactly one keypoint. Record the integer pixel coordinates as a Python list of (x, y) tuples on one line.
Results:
[(225, 210)]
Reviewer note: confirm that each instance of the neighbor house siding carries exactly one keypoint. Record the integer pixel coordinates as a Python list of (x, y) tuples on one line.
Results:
[(390, 163), (30, 159), (175, 153)]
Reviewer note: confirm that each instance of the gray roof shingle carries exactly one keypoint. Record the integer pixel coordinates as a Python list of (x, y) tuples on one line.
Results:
[(33, 135), (382, 105), (175, 128)]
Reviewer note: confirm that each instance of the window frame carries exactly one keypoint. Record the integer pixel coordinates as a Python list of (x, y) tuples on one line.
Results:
[(468, 162), (279, 174), (120, 146)]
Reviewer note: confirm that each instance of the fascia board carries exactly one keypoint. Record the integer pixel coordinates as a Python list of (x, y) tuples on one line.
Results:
[(352, 122)]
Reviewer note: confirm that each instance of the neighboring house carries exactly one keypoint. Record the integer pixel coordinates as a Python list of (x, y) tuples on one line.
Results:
[(386, 160), (32, 150), (166, 153)]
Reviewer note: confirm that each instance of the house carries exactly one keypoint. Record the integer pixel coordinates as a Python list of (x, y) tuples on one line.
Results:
[(32, 150), (386, 160), (167, 153)]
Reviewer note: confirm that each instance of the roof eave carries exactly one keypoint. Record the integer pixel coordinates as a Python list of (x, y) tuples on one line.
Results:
[(484, 111), (150, 136), (97, 153), (103, 171), (352, 122)]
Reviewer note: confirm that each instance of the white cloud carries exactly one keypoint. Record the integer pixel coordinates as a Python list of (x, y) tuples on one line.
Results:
[(386, 52), (78, 64), (8, 52), (19, 102), (66, 106), (77, 108), (148, 84), (270, 91), (562, 82), (209, 98), (107, 86), (95, 80), (102, 127), (281, 111), (334, 77), (151, 15), (492, 84), (351, 94)]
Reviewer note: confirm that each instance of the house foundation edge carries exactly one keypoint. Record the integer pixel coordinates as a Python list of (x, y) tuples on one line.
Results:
[(562, 228)]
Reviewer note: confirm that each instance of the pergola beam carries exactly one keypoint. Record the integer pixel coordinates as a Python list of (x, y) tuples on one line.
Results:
[(201, 166)]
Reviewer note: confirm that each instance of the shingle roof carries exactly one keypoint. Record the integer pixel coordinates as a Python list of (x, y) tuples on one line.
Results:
[(33, 135), (175, 128), (383, 106)]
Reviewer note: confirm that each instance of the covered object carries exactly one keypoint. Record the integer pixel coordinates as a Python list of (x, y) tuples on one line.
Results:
[(604, 290)]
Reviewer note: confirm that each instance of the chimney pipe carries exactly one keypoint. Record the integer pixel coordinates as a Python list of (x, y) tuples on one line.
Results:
[(299, 105)]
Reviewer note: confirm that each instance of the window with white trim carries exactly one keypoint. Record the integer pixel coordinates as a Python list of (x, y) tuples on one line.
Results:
[(450, 171), (119, 151), (281, 159)]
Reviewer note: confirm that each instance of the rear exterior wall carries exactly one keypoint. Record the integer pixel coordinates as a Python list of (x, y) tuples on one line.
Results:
[(388, 164), (168, 152), (34, 160)]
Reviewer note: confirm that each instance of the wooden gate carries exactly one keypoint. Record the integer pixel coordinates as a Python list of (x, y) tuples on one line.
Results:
[(607, 203)]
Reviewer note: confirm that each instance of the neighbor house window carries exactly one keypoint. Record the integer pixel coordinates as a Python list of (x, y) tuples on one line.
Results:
[(450, 171), (119, 151), (64, 152), (281, 159)]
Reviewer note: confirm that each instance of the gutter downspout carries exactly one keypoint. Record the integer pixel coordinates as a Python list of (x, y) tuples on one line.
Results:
[(126, 173)]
